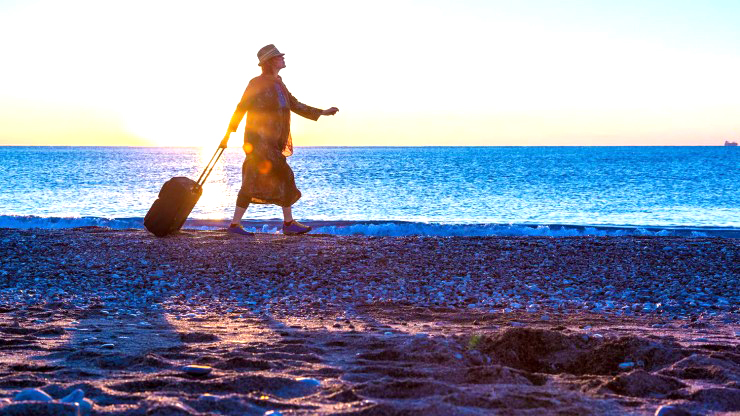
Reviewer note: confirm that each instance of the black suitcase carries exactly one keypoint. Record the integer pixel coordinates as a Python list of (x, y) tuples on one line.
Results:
[(177, 198)]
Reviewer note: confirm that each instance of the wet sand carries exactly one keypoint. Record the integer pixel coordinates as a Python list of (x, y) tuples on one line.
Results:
[(322, 324)]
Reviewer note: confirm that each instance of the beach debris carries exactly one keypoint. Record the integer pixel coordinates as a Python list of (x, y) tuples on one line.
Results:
[(35, 395), (197, 370)]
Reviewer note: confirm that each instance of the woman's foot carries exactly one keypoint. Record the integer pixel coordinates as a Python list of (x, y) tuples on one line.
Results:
[(294, 228), (238, 229)]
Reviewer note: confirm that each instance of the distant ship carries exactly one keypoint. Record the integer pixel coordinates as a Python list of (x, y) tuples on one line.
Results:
[(730, 143)]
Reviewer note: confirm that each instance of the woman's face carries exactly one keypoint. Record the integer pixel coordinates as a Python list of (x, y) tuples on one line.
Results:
[(279, 62)]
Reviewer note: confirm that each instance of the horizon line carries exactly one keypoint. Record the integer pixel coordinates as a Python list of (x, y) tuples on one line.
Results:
[(375, 146)]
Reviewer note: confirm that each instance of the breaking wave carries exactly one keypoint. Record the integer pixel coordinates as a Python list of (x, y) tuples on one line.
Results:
[(385, 228)]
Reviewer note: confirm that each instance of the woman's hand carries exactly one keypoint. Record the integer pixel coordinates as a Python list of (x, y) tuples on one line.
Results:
[(225, 140), (330, 111)]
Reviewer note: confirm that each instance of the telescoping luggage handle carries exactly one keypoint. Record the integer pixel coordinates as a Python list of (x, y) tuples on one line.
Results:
[(207, 170)]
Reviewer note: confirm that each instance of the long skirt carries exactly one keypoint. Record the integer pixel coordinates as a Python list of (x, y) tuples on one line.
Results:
[(267, 180)]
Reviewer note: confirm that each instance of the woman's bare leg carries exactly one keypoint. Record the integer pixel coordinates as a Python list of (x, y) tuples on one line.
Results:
[(238, 214), (287, 214)]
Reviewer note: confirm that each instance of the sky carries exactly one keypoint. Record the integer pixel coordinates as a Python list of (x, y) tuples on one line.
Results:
[(409, 73)]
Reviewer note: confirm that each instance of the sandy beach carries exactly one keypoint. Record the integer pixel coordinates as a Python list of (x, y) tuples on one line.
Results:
[(322, 324)]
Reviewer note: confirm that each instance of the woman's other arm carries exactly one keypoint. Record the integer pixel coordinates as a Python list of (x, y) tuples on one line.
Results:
[(307, 111)]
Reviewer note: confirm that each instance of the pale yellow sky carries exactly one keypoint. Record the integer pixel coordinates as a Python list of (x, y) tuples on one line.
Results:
[(96, 72)]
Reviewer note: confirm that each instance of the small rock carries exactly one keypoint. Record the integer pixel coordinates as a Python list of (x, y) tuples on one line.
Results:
[(626, 365), (86, 406), (78, 396), (40, 409), (309, 382), (34, 395), (669, 410), (74, 397), (197, 370)]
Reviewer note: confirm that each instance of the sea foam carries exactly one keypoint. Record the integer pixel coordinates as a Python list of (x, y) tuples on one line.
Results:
[(382, 228)]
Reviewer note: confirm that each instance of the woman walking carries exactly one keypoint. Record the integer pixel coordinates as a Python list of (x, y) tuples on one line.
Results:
[(266, 176)]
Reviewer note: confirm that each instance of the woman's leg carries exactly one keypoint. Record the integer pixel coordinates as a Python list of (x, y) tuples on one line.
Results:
[(238, 214), (291, 226), (242, 198), (287, 214)]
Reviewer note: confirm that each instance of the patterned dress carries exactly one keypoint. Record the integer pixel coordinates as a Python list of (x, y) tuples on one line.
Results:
[(266, 176)]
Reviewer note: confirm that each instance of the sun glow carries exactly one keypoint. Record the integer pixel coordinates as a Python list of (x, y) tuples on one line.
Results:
[(211, 202), (474, 73)]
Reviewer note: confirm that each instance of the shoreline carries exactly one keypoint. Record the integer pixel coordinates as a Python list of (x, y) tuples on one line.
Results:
[(387, 228), (378, 325)]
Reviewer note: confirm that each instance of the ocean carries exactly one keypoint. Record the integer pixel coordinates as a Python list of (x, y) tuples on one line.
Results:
[(444, 191)]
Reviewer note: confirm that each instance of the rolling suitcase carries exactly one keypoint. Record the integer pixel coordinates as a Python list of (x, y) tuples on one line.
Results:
[(176, 199)]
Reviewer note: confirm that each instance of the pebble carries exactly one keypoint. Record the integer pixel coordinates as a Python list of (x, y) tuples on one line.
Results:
[(40, 408), (626, 365), (78, 396), (197, 370), (308, 382), (669, 410), (36, 395), (74, 397)]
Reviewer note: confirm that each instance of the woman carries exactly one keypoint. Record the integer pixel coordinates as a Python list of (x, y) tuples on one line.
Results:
[(266, 176)]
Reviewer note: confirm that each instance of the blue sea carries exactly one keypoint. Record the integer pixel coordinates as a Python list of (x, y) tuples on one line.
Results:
[(444, 191)]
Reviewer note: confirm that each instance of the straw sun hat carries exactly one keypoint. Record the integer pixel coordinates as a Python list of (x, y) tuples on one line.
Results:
[(268, 52)]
